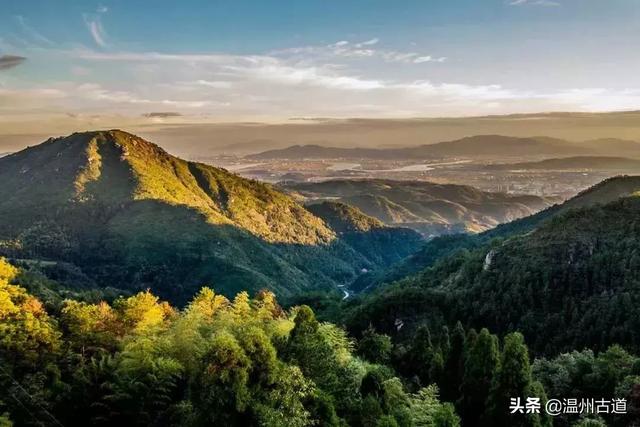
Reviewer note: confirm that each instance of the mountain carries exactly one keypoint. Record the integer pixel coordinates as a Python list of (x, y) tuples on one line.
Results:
[(497, 145), (433, 250), (131, 216), (568, 281), (574, 163), (612, 146), (424, 206), (480, 146)]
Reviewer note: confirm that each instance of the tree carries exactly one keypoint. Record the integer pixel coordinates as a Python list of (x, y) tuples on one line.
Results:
[(427, 410), (375, 347), (512, 380), (90, 326), (144, 384), (222, 387), (436, 369), (454, 365), (444, 341), (420, 355), (28, 336), (283, 403), (207, 303), (241, 307), (481, 365), (142, 312)]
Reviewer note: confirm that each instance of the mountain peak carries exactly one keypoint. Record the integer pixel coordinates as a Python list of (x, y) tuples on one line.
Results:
[(113, 168)]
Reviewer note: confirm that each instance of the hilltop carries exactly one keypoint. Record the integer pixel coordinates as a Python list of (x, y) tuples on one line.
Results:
[(113, 167), (129, 215)]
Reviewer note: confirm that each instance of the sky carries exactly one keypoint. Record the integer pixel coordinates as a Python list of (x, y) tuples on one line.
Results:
[(125, 61)]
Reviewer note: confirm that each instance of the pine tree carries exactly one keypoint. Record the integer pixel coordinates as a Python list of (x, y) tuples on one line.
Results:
[(421, 355), (445, 342), (481, 365), (454, 365), (513, 380)]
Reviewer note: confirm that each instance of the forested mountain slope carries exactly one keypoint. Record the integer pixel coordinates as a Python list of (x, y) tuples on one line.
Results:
[(131, 216), (606, 191), (570, 282)]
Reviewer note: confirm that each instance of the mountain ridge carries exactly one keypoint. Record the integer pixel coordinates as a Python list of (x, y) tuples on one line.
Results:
[(471, 146), (572, 163)]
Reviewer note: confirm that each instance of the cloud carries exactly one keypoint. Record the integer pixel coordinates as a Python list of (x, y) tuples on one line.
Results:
[(534, 3), (162, 114), (360, 50), (218, 84), (10, 61), (94, 25), (31, 32), (428, 58), (370, 42), (102, 9), (283, 84), (95, 92)]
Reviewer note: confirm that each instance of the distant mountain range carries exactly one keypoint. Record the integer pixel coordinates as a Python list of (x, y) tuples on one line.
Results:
[(426, 207), (115, 210), (574, 163), (481, 146)]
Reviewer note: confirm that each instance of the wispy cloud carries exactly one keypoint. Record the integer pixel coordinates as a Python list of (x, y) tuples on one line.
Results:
[(94, 25), (10, 61), (341, 78), (367, 49), (217, 84), (534, 3), (369, 42), (31, 32)]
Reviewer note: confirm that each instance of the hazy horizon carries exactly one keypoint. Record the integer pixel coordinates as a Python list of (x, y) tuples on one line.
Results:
[(77, 65), (202, 139)]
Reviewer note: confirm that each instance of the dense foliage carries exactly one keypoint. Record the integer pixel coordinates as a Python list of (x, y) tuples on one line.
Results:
[(243, 362), (139, 361)]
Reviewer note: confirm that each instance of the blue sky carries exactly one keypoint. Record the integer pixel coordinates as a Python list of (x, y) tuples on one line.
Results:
[(228, 60)]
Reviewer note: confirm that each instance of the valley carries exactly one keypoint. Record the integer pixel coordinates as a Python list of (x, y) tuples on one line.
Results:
[(109, 245), (319, 213)]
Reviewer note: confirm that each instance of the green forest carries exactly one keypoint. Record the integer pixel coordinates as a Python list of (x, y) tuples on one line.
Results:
[(141, 362)]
